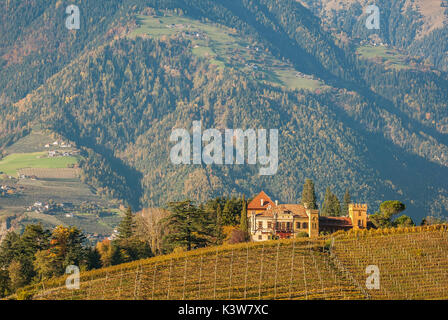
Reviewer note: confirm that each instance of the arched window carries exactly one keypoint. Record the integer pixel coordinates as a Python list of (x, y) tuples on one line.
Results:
[(297, 225)]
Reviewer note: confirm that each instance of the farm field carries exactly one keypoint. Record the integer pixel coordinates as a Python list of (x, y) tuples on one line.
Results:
[(223, 46), (59, 191), (51, 173), (88, 223), (13, 162), (413, 264), (52, 182)]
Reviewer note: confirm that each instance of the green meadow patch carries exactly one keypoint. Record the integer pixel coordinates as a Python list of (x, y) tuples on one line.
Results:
[(390, 57), (288, 77), (11, 163), (223, 46)]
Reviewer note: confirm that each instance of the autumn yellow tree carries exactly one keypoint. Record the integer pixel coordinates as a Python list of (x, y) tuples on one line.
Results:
[(109, 253), (67, 247)]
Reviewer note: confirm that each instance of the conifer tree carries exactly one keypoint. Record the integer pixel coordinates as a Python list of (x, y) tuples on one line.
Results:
[(243, 219), (218, 228), (331, 206), (335, 210), (309, 195), (326, 205), (347, 201), (127, 225), (190, 225), (228, 217)]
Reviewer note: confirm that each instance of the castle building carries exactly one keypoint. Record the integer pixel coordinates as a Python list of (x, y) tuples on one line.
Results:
[(268, 219)]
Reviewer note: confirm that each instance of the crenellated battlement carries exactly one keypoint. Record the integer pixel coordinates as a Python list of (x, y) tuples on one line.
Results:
[(358, 214), (361, 206)]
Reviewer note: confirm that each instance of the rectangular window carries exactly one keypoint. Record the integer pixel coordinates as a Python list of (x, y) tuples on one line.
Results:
[(269, 225), (260, 237), (297, 225), (260, 224)]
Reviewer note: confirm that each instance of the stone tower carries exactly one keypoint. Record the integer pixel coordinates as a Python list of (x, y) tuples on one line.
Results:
[(313, 223), (358, 215)]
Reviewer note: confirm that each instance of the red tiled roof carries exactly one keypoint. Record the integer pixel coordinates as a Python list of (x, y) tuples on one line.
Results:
[(255, 204), (295, 209), (335, 221), (292, 209)]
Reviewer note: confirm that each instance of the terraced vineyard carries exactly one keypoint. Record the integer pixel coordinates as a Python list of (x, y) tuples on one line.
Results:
[(272, 270), (413, 264)]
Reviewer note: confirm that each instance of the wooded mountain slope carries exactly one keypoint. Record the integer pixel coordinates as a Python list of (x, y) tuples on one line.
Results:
[(119, 97)]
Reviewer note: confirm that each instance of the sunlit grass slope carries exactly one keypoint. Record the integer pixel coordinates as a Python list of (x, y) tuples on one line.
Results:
[(11, 163)]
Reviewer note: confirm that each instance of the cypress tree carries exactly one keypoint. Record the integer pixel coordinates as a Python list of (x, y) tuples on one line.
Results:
[(243, 219), (326, 205), (218, 228), (308, 194), (347, 201)]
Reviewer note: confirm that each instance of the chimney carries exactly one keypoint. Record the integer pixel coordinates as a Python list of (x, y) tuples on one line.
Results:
[(262, 201), (276, 202)]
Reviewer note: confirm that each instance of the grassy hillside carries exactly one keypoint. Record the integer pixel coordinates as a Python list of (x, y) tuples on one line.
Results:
[(412, 264), (390, 57), (223, 46)]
